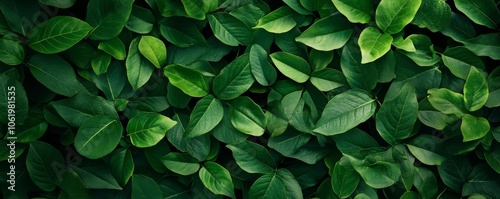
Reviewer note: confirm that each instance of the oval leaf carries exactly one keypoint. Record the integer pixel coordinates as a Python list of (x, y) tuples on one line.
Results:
[(42, 162), (217, 179), (474, 128), (229, 29), (154, 50), (292, 66), (11, 53), (147, 129), (357, 11), (373, 44), (143, 187), (247, 116), (327, 34), (207, 114), (190, 81), (108, 17), (234, 79), (393, 15), (475, 90), (180, 163), (98, 136), (252, 157), (279, 21)]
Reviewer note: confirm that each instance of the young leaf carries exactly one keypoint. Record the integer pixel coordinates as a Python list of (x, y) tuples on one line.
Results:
[(261, 69), (357, 108), (424, 54), (396, 117), (485, 45), (207, 113), (373, 44), (327, 34), (279, 21), (217, 179), (252, 157), (292, 66), (144, 187), (447, 101), (234, 79), (481, 12), (229, 29), (247, 116), (139, 69), (393, 15), (433, 15), (98, 136), (181, 163), (42, 163), (147, 129), (194, 8), (154, 50), (55, 74), (474, 128), (108, 17), (190, 81), (113, 47), (58, 34), (357, 11), (11, 53), (475, 90)]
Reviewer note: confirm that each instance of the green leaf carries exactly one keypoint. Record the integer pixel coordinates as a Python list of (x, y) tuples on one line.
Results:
[(292, 66), (460, 60), (180, 163), (217, 179), (230, 30), (386, 67), (433, 15), (181, 32), (358, 75), (234, 79), (344, 178), (357, 107), (72, 186), (77, 109), (278, 21), (207, 113), (295, 5), (396, 117), (58, 34), (481, 12), (59, 3), (424, 54), (12, 90), (474, 128), (141, 20), (422, 148), (289, 142), (475, 90), (426, 183), (482, 180), (139, 69), (147, 129), (247, 116), (373, 44), (319, 60), (460, 28), (447, 101), (113, 47), (42, 162), (100, 63), (154, 50), (261, 69), (113, 81), (358, 11), (96, 177), (143, 187), (327, 34), (98, 136), (11, 53), (252, 157), (55, 74), (328, 79), (108, 17), (454, 172), (379, 174), (122, 165), (190, 81), (292, 187), (194, 8), (393, 15), (485, 45), (267, 186), (493, 158), (493, 99)]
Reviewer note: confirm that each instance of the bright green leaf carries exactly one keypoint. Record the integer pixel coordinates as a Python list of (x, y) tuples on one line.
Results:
[(234, 79), (373, 44), (292, 66), (474, 128), (154, 50), (328, 33), (279, 21), (98, 136), (190, 81), (475, 90), (147, 129), (393, 15), (207, 113), (358, 11), (252, 157), (217, 179), (247, 116)]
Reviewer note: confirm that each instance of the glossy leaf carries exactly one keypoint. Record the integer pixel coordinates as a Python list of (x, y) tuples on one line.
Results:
[(147, 129), (11, 53), (433, 15), (98, 136), (358, 75), (356, 11), (261, 69), (327, 34), (252, 157), (42, 163), (107, 17), (344, 179), (58, 34), (279, 21), (328, 79), (358, 107), (207, 113), (180, 163), (447, 101), (393, 15), (267, 186), (229, 29), (217, 179), (475, 90), (292, 66), (190, 81), (474, 128), (485, 45), (247, 116), (460, 61), (122, 165), (141, 20), (454, 172), (154, 50), (77, 109), (181, 32), (139, 69), (234, 80), (483, 13), (373, 44)]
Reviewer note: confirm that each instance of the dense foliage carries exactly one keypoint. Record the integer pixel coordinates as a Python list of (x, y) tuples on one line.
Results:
[(250, 99)]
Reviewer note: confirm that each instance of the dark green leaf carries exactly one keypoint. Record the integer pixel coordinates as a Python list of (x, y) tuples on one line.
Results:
[(234, 79), (261, 69), (11, 53), (180, 163), (252, 157), (217, 179), (229, 29), (481, 12), (247, 116), (433, 15), (44, 163), (143, 187), (475, 90), (358, 75), (139, 69), (98, 136), (207, 113), (108, 17)]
